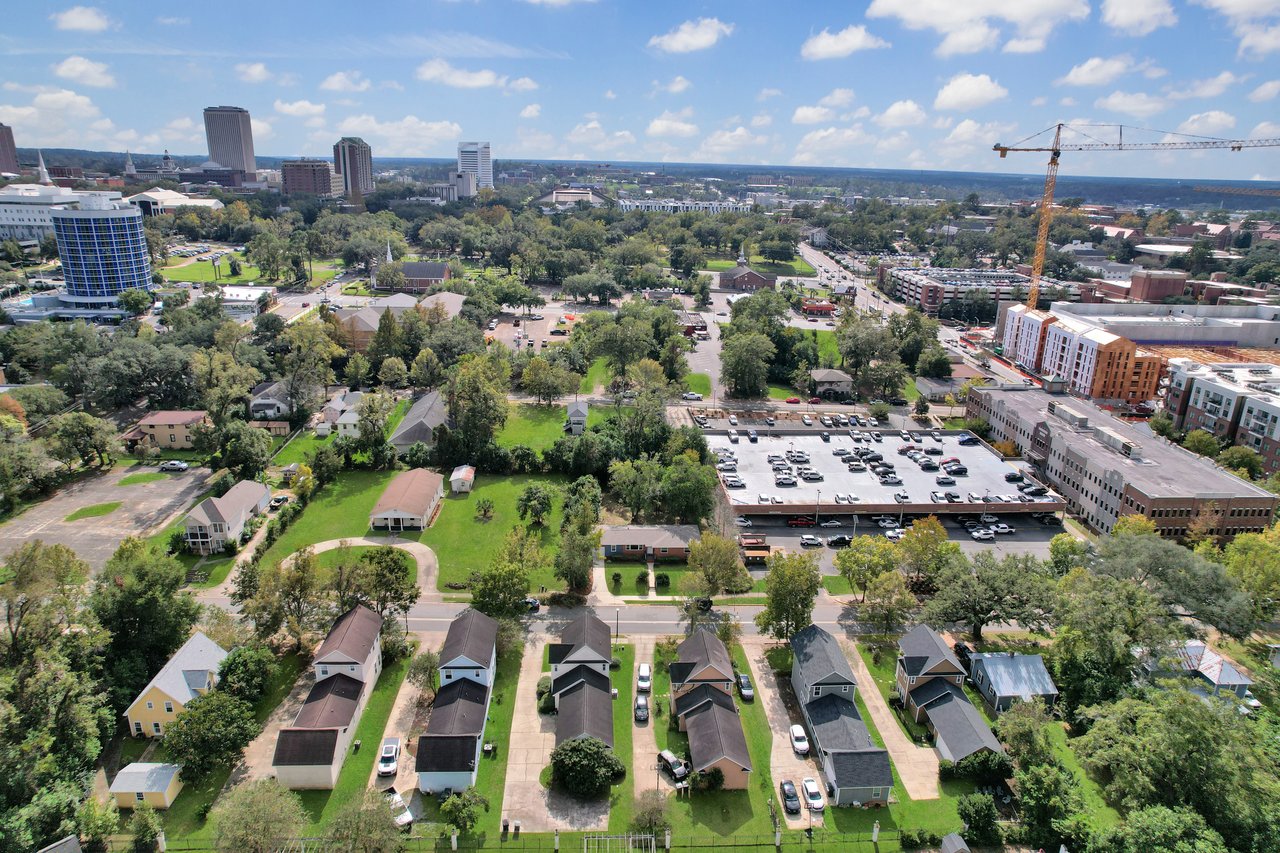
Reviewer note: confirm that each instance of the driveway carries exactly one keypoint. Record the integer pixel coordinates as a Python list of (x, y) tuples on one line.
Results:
[(258, 754), (400, 725), (145, 508), (783, 761), (644, 743), (917, 766)]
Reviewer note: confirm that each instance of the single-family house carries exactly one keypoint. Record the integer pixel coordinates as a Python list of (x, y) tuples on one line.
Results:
[(270, 400), (462, 480), (1211, 672), (470, 649), (409, 501), (1004, 678), (716, 741), (146, 783), (218, 523), (420, 422), (577, 417), (444, 304), (169, 430), (192, 671), (580, 680), (647, 542), (585, 710), (70, 844), (930, 681), (360, 324), (743, 277), (702, 668), (829, 382), (348, 423), (857, 771), (584, 642), (310, 753), (449, 749), (420, 276), (342, 401), (953, 842)]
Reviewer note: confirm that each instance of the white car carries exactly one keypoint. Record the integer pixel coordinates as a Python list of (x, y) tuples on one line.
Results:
[(895, 535), (742, 520), (832, 522), (887, 523), (389, 756), (799, 740), (691, 395), (811, 792), (840, 498), (1002, 529), (399, 811), (764, 499), (644, 678), (174, 465), (806, 420), (987, 518), (808, 540), (982, 534)]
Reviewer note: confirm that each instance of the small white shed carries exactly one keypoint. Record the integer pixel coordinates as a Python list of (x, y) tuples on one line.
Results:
[(463, 479)]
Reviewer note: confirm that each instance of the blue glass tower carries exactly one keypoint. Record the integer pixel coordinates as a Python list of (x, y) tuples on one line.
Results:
[(103, 252)]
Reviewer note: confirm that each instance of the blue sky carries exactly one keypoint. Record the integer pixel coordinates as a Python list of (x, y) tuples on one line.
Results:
[(927, 84)]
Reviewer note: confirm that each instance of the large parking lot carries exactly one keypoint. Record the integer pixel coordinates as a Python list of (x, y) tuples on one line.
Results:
[(519, 330), (983, 488)]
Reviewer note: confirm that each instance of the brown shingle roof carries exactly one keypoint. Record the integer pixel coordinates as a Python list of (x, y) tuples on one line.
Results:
[(715, 732), (411, 492), (352, 636), (472, 635), (173, 417), (330, 704)]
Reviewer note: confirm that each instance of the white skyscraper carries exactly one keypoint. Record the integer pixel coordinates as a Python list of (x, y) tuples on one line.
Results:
[(473, 157), (230, 135)]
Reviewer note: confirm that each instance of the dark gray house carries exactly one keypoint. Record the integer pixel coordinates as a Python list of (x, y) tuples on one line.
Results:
[(1004, 678), (930, 680), (857, 771), (420, 422)]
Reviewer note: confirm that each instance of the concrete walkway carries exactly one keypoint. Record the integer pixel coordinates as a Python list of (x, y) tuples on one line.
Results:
[(400, 725), (917, 766), (601, 595), (783, 761)]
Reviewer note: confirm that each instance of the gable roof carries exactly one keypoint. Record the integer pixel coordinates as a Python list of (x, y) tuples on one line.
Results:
[(700, 650), (237, 503), (922, 649), (863, 768), (446, 754), (179, 675), (837, 725), (715, 732), (697, 697), (144, 777), (411, 492), (586, 632), (270, 391), (578, 408), (352, 636), (425, 269), (818, 659), (1196, 656), (448, 300), (458, 709), (581, 672), (650, 535), (740, 271), (959, 728), (331, 703), (1023, 676), (70, 844), (420, 422), (173, 417), (305, 747), (953, 843), (472, 635), (466, 473), (585, 710), (828, 374)]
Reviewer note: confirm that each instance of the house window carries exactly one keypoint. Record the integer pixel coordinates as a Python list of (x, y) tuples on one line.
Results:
[(475, 674), (448, 676), (138, 796), (151, 706), (168, 707), (844, 688), (137, 727), (173, 439), (324, 670), (155, 728), (911, 680), (876, 793), (817, 691), (351, 669)]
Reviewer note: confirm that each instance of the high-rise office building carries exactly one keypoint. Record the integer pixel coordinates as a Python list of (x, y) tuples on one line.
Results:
[(230, 135), (8, 151), (310, 177), (353, 160), (474, 157), (103, 250)]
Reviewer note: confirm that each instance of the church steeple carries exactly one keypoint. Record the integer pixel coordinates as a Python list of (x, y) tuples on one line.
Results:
[(129, 169), (42, 174)]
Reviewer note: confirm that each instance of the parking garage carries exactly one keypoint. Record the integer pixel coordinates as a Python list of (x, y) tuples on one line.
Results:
[(819, 471)]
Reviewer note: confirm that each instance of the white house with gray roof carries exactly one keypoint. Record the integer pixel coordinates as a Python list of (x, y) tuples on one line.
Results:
[(191, 672), (217, 523), (1004, 678)]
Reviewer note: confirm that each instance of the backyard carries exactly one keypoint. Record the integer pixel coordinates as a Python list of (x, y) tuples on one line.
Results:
[(203, 271), (622, 795), (538, 427), (338, 511), (597, 376), (796, 267)]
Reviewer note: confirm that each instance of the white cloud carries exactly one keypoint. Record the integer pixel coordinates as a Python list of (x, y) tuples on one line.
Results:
[(860, 112), (556, 4), (345, 81), (677, 85), (1208, 88), (172, 21), (1068, 101), (673, 124), (1260, 41), (1138, 17), (1039, 101), (592, 134), (968, 27), (523, 84), (830, 145), (968, 92), (1208, 123), (1266, 92), (440, 71), (406, 137), (86, 72), (609, 95), (837, 98), (722, 142), (1138, 104), (253, 72), (692, 35), (811, 115), (531, 111), (761, 120), (1265, 130), (901, 114), (970, 132), (86, 19), (829, 45), (766, 94), (299, 109), (1253, 21), (1097, 71), (262, 128)]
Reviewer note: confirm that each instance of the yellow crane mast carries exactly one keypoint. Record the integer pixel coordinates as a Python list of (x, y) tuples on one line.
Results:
[(1051, 178)]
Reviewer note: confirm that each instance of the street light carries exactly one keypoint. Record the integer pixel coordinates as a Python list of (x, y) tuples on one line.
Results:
[(816, 506), (617, 621)]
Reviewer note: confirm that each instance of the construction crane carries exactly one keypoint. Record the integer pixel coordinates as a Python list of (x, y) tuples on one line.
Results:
[(1234, 190), (1051, 177)]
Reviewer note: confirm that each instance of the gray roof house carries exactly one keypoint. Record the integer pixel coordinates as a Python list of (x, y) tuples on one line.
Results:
[(270, 400), (70, 844), (930, 680), (577, 416), (1214, 673), (192, 671), (647, 541), (216, 523), (716, 740), (1004, 678), (585, 710), (449, 750), (470, 648), (856, 770), (580, 680), (420, 422)]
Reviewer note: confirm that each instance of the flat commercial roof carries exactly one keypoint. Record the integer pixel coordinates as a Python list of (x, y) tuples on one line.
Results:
[(985, 477)]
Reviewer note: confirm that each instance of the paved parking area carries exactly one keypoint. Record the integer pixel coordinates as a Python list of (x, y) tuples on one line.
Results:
[(145, 508), (536, 330), (644, 744)]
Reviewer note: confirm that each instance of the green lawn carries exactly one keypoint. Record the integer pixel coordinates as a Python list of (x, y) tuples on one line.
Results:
[(781, 392), (465, 543), (699, 383), (539, 427), (1101, 815), (218, 568), (910, 391), (352, 553), (202, 271), (321, 806), (142, 477), (183, 819), (339, 511), (836, 585), (94, 510), (396, 416), (827, 345), (491, 778), (622, 795), (796, 267), (597, 376), (302, 446)]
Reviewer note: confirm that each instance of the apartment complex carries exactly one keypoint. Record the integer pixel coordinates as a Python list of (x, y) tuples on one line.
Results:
[(671, 205), (1239, 403), (930, 288), (1107, 468), (1182, 325), (8, 151), (229, 132), (353, 160), (1093, 362), (310, 177), (103, 250), (475, 158)]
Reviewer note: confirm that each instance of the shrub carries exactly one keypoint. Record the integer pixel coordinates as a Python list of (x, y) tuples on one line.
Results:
[(712, 780), (544, 686), (566, 599), (662, 579), (585, 767), (739, 585), (615, 663), (642, 578), (617, 578), (978, 811), (546, 703), (651, 811), (916, 839)]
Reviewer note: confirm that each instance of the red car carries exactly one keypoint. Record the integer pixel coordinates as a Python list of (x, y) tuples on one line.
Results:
[(793, 400), (801, 521), (814, 401)]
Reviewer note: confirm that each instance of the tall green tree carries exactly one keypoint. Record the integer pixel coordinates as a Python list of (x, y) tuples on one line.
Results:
[(888, 602), (211, 732), (535, 503), (365, 825), (744, 364), (986, 589), (791, 587), (716, 565), (866, 558), (501, 589), (258, 817)]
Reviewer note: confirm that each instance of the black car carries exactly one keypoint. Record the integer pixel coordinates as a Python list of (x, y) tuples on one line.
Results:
[(1013, 477), (747, 692), (533, 605), (840, 540), (790, 799), (898, 401), (963, 653)]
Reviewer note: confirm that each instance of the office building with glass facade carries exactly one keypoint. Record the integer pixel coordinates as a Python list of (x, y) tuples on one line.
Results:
[(103, 253)]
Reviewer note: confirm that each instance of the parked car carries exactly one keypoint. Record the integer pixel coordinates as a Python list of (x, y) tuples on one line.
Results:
[(895, 535), (801, 521), (790, 799), (742, 520), (687, 395), (812, 794), (840, 540), (793, 400), (806, 420), (174, 465), (982, 534), (644, 678), (389, 756), (752, 436), (831, 522), (733, 420), (799, 740), (745, 689), (641, 711), (674, 767), (532, 604), (1002, 528), (808, 540)]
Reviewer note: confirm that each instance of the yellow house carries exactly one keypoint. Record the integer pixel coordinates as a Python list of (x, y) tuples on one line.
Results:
[(172, 430), (157, 785), (191, 671)]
